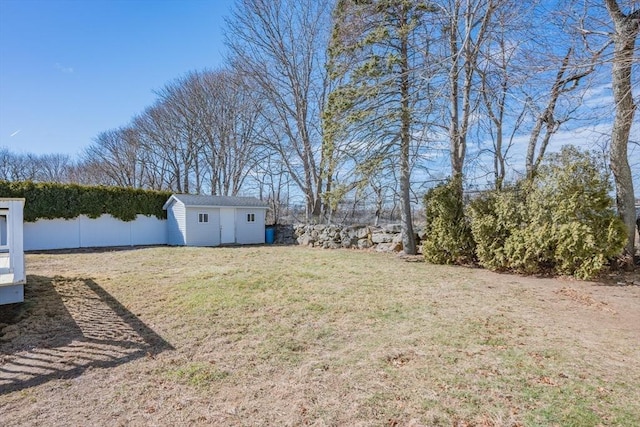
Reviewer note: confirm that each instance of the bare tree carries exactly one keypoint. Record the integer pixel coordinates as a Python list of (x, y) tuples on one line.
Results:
[(280, 45), (466, 24), (527, 88), (180, 111), (199, 136), (52, 167), (228, 115), (8, 161), (33, 167), (273, 182), (566, 80), (502, 72), (114, 158), (171, 155), (627, 26)]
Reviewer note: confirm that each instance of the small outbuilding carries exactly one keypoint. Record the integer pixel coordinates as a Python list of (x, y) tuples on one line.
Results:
[(194, 220), (12, 271)]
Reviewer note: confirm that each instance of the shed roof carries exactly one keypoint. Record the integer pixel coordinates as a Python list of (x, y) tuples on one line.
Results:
[(216, 201)]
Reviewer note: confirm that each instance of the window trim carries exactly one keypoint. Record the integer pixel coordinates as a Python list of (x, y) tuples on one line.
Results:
[(251, 217), (203, 218)]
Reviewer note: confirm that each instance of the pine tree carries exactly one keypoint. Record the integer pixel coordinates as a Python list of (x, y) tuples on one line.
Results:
[(375, 112)]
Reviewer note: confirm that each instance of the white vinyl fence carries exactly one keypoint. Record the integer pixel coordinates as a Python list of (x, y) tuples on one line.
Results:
[(84, 232)]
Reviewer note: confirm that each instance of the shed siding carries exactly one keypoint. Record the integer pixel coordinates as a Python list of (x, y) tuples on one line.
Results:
[(205, 233), (176, 222), (250, 232)]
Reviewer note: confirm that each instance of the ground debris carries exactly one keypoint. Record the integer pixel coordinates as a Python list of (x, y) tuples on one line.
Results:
[(584, 299)]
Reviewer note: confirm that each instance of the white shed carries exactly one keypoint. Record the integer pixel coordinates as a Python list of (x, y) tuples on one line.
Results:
[(215, 220), (12, 272)]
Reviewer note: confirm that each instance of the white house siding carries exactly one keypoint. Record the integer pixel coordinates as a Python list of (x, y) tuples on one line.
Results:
[(84, 232), (250, 232), (12, 269), (176, 218), (205, 233)]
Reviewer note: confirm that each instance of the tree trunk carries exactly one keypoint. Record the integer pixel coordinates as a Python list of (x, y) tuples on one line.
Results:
[(454, 125), (626, 31), (408, 236)]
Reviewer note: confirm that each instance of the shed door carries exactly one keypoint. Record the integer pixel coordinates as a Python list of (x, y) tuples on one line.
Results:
[(227, 226)]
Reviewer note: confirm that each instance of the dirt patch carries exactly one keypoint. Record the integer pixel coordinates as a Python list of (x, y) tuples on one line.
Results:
[(295, 336), (584, 299)]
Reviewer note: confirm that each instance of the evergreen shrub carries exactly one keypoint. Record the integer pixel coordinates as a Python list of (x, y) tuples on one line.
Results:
[(561, 222), (448, 234)]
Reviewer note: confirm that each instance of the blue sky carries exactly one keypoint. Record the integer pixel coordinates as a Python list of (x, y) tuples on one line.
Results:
[(72, 69)]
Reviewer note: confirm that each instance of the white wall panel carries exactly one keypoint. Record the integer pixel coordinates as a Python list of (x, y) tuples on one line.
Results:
[(104, 231), (149, 230), (52, 234), (84, 232)]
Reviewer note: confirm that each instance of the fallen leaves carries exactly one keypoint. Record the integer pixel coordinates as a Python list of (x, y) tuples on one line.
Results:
[(585, 299)]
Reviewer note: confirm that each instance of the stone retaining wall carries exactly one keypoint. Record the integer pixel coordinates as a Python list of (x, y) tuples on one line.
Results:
[(285, 234), (384, 239)]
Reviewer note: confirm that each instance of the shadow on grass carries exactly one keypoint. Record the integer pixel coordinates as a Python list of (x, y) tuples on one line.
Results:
[(65, 327)]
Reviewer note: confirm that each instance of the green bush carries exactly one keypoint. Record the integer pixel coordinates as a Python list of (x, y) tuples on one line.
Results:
[(494, 216), (562, 222), (448, 234), (52, 200)]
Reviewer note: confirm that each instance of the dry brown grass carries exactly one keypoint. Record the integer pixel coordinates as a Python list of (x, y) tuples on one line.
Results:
[(294, 336)]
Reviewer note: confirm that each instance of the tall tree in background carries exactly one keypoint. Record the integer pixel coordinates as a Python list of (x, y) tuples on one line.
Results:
[(161, 137), (378, 56), (526, 78), (114, 157), (216, 113), (626, 28), (502, 70), (570, 72), (466, 25), (178, 104), (199, 136), (280, 46), (33, 167), (229, 113)]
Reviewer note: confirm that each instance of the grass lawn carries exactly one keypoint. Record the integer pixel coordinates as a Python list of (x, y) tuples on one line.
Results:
[(297, 336)]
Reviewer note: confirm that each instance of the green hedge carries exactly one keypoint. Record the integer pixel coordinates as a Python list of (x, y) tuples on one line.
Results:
[(561, 223), (52, 200), (448, 233)]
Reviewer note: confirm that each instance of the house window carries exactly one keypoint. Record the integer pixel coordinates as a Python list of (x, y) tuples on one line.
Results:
[(203, 217), (251, 217)]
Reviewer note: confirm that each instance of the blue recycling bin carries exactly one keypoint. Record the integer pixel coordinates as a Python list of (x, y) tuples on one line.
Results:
[(270, 235)]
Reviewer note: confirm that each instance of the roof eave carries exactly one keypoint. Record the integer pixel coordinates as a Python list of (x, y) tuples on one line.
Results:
[(170, 200), (226, 206)]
